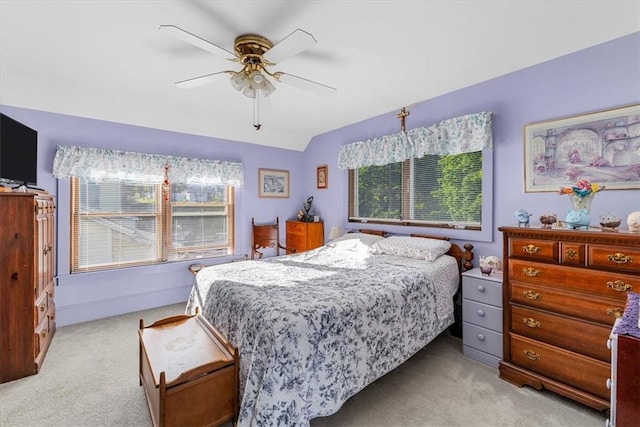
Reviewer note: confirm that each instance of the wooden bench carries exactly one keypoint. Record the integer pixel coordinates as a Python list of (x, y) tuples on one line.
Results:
[(189, 372)]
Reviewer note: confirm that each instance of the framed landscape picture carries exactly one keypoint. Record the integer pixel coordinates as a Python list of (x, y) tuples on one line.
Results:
[(601, 147), (322, 177), (273, 183)]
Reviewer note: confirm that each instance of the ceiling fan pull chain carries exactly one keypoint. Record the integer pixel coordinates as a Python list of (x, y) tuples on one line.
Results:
[(256, 110)]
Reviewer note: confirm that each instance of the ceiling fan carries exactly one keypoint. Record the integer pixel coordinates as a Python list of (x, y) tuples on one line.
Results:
[(254, 53)]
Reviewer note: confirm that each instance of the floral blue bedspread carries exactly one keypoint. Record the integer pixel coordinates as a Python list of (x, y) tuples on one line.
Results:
[(315, 328)]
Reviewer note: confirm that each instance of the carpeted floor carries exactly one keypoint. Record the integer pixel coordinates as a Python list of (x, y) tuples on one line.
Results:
[(90, 378)]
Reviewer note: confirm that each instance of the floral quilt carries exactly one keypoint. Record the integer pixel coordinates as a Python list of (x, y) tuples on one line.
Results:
[(315, 328)]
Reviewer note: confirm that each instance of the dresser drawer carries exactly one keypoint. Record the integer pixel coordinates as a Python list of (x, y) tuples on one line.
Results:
[(296, 242), (482, 291), (43, 334), (296, 228), (484, 315), (572, 334), (482, 339), (42, 305), (609, 284), (584, 306), (582, 372), (546, 250), (572, 253), (616, 258)]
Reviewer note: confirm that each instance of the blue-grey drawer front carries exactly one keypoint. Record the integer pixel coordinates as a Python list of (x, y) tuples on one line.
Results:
[(484, 315), (482, 291), (483, 339)]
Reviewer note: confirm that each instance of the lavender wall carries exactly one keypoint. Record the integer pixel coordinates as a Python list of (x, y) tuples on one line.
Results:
[(87, 296), (601, 77)]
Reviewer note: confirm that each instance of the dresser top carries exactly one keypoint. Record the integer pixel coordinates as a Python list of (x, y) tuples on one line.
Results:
[(475, 272), (624, 237)]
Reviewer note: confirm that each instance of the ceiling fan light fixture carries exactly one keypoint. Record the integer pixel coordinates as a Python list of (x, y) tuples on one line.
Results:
[(257, 79), (240, 81), (268, 88), (249, 92)]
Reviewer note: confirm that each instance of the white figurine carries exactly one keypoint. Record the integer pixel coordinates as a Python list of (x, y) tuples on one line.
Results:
[(633, 221)]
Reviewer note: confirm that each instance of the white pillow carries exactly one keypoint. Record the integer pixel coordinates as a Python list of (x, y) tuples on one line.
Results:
[(364, 238), (411, 247)]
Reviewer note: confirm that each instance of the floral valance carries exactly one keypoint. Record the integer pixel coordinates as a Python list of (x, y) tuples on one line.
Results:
[(453, 136), (99, 164)]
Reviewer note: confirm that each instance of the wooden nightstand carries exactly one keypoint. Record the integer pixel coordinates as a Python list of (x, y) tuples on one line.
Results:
[(482, 316), (303, 236)]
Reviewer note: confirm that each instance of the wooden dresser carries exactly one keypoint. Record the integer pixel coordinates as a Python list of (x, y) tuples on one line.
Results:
[(27, 311), (563, 290), (303, 236)]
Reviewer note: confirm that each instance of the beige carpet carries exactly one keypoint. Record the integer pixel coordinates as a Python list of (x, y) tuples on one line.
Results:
[(90, 378)]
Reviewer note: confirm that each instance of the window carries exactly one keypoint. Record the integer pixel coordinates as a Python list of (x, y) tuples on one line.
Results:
[(431, 191), (116, 223)]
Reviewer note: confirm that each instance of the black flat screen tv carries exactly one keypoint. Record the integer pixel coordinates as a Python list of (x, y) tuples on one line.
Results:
[(18, 152)]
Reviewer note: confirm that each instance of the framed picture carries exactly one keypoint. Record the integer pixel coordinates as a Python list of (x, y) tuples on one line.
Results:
[(601, 147), (322, 176), (273, 183)]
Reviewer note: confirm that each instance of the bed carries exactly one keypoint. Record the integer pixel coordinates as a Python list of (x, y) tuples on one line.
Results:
[(315, 328)]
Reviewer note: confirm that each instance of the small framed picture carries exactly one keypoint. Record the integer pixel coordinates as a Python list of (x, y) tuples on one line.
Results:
[(273, 183), (322, 176)]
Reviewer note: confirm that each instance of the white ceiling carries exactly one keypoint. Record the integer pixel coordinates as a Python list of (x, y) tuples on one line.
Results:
[(107, 59)]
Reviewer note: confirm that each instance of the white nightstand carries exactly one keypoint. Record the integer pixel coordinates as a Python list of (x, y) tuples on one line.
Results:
[(482, 316)]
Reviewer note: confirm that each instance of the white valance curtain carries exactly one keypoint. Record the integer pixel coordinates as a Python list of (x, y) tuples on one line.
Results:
[(462, 134), (99, 164)]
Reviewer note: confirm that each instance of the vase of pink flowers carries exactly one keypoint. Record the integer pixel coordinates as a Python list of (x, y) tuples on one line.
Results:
[(581, 195)]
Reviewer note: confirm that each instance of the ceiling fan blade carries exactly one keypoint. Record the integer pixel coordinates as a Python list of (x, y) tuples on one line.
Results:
[(309, 85), (194, 40), (199, 81), (291, 45)]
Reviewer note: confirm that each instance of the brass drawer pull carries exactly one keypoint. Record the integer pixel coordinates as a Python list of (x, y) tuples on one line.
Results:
[(530, 294), (531, 322), (531, 354), (531, 249), (571, 253), (531, 272), (619, 286), (615, 312), (42, 307), (620, 258)]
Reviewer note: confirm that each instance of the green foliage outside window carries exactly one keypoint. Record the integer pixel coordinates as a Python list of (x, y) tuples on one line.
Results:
[(441, 189)]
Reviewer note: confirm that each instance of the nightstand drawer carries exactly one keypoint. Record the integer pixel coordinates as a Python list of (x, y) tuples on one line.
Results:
[(482, 339), (484, 315), (482, 291)]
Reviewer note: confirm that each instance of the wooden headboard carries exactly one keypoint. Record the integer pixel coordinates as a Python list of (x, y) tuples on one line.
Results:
[(464, 256)]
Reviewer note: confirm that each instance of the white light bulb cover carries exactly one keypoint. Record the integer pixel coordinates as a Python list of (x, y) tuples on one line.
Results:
[(249, 92), (268, 88), (239, 81)]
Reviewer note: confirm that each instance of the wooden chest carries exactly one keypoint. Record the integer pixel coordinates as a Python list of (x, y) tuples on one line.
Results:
[(562, 291), (303, 236), (189, 372)]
